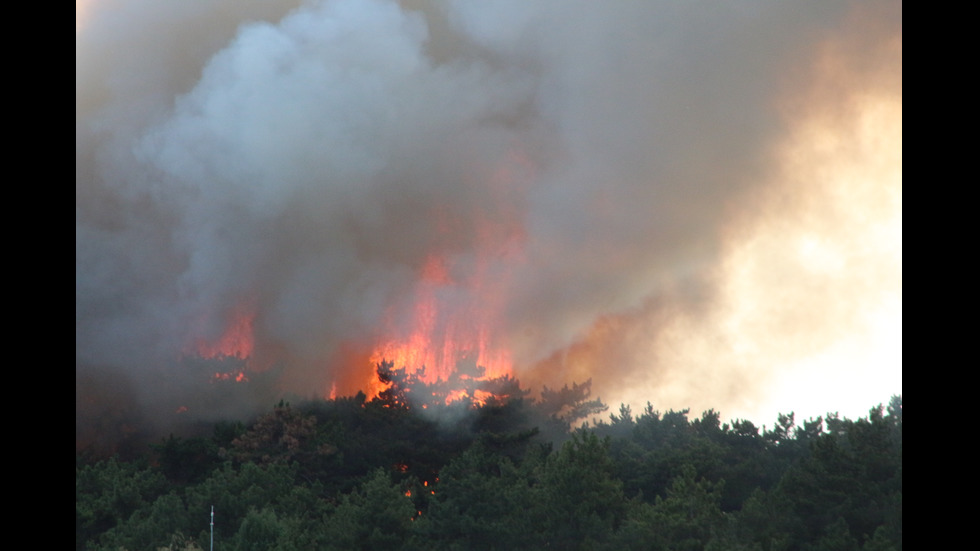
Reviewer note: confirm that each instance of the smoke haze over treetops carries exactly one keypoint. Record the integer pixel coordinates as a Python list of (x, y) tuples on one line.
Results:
[(690, 203)]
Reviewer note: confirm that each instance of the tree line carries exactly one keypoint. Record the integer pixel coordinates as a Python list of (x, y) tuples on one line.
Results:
[(406, 470)]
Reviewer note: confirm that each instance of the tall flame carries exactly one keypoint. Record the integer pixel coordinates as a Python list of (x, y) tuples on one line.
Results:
[(443, 335), (450, 325), (447, 327)]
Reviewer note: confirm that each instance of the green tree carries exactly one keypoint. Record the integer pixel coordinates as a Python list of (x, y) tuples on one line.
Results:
[(480, 503), (162, 524), (107, 493), (687, 519), (259, 530), (377, 516), (567, 406), (187, 460), (836, 537), (233, 491), (578, 503)]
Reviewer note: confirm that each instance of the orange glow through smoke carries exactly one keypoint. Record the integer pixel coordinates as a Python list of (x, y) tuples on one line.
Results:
[(235, 342), (446, 329), (445, 339), (451, 327), (237, 376)]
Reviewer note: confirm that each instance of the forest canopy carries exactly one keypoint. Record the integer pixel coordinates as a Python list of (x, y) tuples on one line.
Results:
[(410, 469)]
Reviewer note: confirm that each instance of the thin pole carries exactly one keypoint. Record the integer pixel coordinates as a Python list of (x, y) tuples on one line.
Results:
[(212, 528)]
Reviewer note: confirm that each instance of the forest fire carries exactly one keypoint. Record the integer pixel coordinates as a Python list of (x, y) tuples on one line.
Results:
[(445, 333), (237, 376), (443, 329), (394, 209), (236, 341), (232, 349), (448, 344)]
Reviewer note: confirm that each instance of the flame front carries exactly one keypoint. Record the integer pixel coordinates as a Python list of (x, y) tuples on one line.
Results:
[(447, 338), (236, 342), (450, 325), (445, 328)]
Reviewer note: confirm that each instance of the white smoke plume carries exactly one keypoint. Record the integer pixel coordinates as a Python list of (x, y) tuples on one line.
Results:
[(589, 161)]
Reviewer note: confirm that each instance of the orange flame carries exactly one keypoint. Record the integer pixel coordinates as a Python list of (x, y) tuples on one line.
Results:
[(237, 376), (447, 327), (445, 339), (457, 302), (236, 340)]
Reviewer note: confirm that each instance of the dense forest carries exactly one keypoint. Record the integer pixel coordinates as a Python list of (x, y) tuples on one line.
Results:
[(407, 470)]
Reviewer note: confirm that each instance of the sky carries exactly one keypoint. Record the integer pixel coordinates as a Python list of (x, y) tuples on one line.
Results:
[(695, 205)]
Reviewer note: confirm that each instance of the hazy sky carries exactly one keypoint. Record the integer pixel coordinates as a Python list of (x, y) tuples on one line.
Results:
[(696, 204)]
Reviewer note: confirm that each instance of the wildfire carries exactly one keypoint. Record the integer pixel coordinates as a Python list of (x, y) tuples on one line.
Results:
[(448, 340), (232, 349), (235, 342), (443, 334), (446, 331), (237, 376)]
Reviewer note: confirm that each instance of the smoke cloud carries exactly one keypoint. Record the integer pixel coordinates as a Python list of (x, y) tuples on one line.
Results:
[(586, 174)]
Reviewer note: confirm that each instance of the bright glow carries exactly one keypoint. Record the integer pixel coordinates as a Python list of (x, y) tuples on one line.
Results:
[(236, 340), (834, 336), (447, 324), (811, 286)]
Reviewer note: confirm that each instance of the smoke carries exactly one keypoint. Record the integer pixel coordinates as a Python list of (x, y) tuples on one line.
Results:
[(579, 169)]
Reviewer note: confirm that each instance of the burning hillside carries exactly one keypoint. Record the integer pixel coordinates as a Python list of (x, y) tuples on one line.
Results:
[(547, 191)]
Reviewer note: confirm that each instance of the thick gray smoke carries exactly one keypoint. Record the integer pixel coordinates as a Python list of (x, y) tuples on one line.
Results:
[(304, 160)]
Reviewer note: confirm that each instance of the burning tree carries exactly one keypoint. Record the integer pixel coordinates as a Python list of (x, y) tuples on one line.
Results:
[(467, 385)]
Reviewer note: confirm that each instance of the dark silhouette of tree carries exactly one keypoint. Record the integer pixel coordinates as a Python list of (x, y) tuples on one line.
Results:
[(408, 470)]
